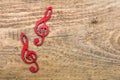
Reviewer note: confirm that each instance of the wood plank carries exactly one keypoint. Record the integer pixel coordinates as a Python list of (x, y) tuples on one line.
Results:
[(83, 44)]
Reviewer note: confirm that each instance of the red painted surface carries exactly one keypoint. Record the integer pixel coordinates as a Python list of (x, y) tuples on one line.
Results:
[(43, 30), (29, 56)]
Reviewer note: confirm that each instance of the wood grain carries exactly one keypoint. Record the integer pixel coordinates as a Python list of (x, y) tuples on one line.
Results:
[(83, 44)]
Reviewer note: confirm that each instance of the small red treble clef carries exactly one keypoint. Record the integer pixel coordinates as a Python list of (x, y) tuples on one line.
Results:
[(28, 56), (42, 30)]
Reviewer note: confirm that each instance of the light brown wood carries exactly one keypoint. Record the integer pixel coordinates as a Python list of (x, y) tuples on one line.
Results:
[(83, 44)]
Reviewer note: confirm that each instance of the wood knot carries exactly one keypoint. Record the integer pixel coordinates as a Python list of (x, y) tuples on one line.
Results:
[(118, 41), (94, 21)]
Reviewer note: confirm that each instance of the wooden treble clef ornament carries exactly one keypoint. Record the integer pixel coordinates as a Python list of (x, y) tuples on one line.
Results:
[(28, 56), (42, 30)]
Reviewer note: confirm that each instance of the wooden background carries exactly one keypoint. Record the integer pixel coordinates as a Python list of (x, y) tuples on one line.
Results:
[(83, 44)]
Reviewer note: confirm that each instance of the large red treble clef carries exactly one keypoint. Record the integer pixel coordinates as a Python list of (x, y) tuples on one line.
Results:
[(42, 30), (28, 56)]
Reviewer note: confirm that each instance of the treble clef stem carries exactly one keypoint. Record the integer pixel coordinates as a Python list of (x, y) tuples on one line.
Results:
[(42, 30), (28, 56)]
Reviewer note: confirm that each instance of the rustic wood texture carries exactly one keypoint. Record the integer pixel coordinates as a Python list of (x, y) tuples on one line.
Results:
[(83, 44)]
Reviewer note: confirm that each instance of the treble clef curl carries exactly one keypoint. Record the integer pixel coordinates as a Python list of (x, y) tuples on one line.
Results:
[(28, 56), (42, 30)]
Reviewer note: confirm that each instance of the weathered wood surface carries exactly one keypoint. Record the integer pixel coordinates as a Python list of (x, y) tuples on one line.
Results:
[(84, 42)]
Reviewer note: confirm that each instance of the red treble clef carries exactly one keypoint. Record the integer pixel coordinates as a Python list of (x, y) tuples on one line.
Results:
[(28, 56), (43, 30)]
